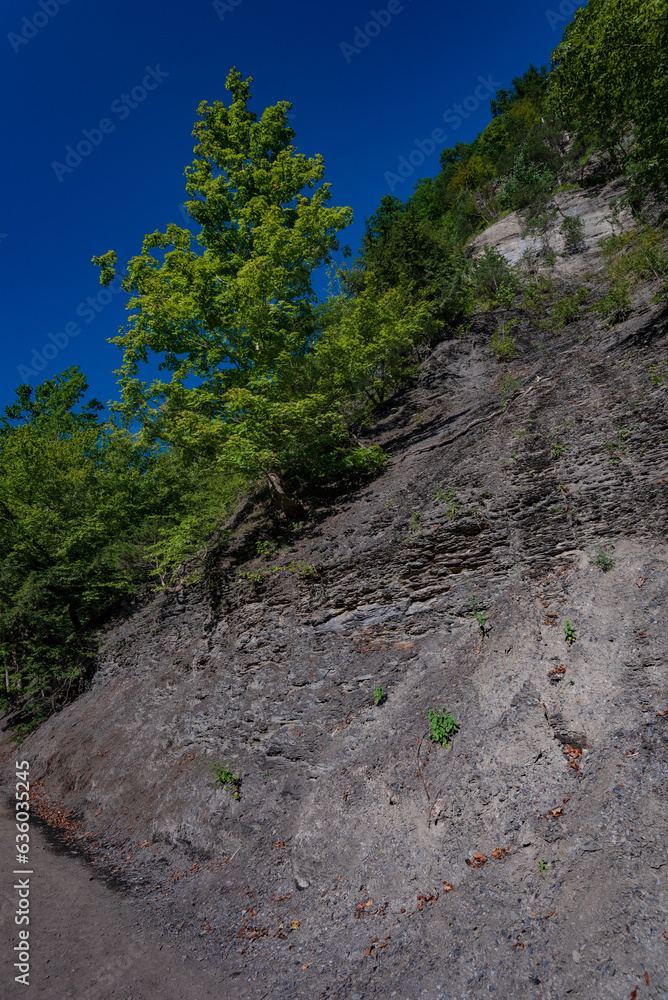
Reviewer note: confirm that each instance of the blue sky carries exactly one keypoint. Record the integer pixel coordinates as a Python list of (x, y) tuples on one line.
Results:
[(369, 83)]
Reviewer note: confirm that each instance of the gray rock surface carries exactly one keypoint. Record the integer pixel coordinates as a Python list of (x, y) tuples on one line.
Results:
[(352, 864), (600, 214)]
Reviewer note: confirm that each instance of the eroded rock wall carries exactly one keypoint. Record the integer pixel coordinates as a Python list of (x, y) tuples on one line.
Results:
[(352, 863)]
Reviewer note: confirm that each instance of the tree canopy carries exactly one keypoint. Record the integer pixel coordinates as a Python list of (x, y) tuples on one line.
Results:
[(609, 86)]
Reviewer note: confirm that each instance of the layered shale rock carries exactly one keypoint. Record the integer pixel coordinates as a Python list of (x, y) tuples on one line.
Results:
[(360, 859)]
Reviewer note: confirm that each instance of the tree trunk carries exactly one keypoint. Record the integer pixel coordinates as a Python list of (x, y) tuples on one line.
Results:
[(74, 617), (291, 508)]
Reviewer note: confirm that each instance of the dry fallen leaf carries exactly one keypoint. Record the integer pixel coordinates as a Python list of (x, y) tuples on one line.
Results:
[(639, 581), (422, 899), (447, 886), (634, 993), (574, 754), (478, 860), (295, 925), (646, 978), (500, 852)]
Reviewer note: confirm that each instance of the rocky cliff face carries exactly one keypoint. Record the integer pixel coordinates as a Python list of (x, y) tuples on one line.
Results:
[(361, 859)]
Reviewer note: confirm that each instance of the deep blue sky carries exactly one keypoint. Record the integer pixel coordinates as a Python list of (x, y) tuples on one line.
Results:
[(362, 111)]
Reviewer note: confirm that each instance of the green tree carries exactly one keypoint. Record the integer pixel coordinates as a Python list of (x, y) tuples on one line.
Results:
[(79, 501), (401, 248), (609, 86), (227, 314), (370, 345)]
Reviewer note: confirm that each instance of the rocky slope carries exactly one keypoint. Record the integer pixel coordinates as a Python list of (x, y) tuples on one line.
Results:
[(359, 858)]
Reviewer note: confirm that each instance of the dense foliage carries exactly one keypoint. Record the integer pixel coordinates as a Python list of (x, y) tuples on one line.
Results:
[(80, 501), (262, 390), (609, 87)]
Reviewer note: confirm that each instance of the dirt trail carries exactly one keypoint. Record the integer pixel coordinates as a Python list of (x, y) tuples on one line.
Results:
[(89, 942)]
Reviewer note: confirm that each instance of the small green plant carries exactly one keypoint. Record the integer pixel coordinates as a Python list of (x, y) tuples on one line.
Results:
[(569, 632), (502, 343), (572, 229), (641, 255), (658, 373), (493, 278), (603, 560), (442, 726), (266, 548), (449, 499), (379, 696), (537, 294), (507, 384), (616, 305), (542, 864), (557, 449), (229, 780), (416, 524), (506, 295), (612, 448), (566, 310), (477, 613)]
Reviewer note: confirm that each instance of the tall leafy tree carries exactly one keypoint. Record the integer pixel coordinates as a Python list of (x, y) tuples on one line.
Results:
[(228, 311)]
